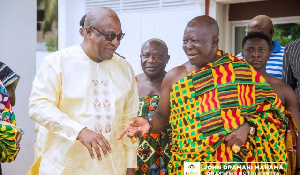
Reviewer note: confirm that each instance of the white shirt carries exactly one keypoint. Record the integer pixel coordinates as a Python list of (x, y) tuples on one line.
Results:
[(70, 92)]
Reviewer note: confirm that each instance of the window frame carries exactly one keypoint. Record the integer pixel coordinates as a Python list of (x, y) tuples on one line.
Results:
[(244, 23)]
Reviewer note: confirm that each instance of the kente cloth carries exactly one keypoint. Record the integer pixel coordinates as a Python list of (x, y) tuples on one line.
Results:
[(7, 76), (10, 134), (211, 102), (154, 150), (291, 143), (71, 92)]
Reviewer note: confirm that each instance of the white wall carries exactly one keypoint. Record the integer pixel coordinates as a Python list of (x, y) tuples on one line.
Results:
[(166, 25), (69, 14), (17, 49), (221, 11)]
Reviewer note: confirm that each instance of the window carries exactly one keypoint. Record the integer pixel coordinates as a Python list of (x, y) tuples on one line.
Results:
[(286, 29), (40, 19)]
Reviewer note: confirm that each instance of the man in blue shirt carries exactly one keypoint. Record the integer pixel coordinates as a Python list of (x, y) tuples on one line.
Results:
[(263, 24)]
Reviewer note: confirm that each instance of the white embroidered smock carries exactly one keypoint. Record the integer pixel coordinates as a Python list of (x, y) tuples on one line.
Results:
[(70, 92)]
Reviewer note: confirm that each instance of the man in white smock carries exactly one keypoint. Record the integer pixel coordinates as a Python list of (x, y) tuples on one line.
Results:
[(82, 97)]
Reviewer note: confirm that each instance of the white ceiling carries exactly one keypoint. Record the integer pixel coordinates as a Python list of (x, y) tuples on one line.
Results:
[(224, 1), (138, 5)]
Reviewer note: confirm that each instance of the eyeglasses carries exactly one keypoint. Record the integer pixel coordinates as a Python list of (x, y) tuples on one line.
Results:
[(109, 37)]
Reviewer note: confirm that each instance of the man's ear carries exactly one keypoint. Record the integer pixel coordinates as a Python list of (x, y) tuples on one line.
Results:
[(215, 41), (81, 31), (168, 58), (269, 54), (271, 32)]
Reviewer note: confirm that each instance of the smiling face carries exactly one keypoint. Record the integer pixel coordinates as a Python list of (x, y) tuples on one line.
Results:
[(200, 45), (256, 52), (154, 58), (103, 49), (99, 23)]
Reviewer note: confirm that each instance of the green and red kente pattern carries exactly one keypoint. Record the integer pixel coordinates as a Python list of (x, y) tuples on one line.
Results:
[(154, 149), (210, 103)]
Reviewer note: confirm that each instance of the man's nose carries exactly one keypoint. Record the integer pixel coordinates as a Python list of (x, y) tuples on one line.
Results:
[(115, 42), (152, 58), (256, 53), (189, 45)]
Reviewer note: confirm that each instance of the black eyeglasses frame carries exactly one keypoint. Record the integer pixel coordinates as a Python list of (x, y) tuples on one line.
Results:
[(109, 37)]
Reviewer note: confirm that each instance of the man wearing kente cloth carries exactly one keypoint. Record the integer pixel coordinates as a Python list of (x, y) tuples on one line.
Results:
[(216, 102), (153, 154)]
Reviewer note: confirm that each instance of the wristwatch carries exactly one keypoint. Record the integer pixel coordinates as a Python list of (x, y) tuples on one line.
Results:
[(252, 128)]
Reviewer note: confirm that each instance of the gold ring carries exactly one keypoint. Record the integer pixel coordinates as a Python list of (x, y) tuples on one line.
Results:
[(133, 140), (235, 148)]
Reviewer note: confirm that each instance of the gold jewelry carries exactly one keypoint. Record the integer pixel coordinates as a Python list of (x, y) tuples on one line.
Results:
[(235, 148), (252, 131), (133, 140), (252, 128)]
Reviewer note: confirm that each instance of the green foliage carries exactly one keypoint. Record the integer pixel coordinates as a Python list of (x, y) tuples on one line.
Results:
[(51, 13), (296, 32), (51, 18), (51, 44), (285, 33), (280, 37)]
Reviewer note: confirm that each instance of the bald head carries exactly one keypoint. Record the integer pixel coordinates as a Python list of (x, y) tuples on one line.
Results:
[(263, 20), (261, 24), (206, 22), (158, 41), (98, 14)]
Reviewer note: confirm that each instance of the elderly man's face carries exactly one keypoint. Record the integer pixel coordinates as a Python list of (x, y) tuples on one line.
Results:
[(154, 58), (199, 44), (256, 52), (104, 49)]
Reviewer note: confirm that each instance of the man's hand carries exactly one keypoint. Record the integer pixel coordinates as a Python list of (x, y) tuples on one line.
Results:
[(130, 171), (238, 136), (137, 127), (93, 140)]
